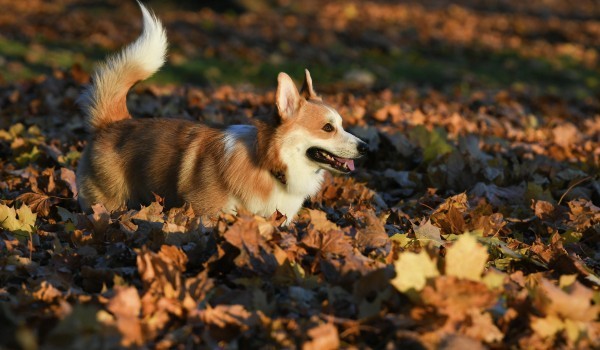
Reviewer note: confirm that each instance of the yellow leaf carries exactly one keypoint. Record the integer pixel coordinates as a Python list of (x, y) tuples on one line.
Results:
[(26, 218), (547, 327), (413, 270), (574, 329), (494, 279), (567, 280), (402, 239), (466, 258), (8, 218), (21, 220)]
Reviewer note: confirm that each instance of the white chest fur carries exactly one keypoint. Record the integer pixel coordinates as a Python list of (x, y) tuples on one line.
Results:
[(303, 177), (280, 198)]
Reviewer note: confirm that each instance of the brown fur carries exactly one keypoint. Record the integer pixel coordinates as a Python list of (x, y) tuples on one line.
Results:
[(116, 108), (131, 159)]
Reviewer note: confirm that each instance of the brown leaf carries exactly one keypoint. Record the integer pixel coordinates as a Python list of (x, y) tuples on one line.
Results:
[(543, 209), (428, 233), (373, 235), (152, 213), (455, 298), (566, 135), (173, 256), (333, 242), (224, 315), (69, 178), (162, 272), (38, 202), (319, 221), (47, 293), (125, 305), (575, 302), (100, 218), (481, 326), (323, 337)]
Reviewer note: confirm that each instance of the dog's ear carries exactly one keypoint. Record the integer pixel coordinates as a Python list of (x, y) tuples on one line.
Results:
[(287, 97), (307, 88)]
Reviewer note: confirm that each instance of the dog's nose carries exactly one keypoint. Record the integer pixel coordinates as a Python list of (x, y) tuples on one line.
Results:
[(362, 147)]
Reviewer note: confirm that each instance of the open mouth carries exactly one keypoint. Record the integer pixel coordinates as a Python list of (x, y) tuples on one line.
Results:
[(340, 164)]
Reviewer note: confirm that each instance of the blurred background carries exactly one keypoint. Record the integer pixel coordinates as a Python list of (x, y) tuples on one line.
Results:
[(537, 46)]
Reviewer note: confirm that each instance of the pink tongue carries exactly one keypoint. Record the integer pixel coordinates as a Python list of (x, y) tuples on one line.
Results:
[(348, 162)]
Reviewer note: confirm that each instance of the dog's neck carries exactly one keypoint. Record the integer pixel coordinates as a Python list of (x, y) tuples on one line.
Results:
[(267, 149)]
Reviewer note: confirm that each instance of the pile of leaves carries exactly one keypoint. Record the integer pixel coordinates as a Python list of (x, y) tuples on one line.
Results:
[(474, 222)]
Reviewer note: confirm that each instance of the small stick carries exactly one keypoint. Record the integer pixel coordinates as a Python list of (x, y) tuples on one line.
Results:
[(571, 187)]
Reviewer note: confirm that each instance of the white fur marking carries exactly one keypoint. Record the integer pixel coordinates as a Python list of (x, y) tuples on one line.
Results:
[(232, 135), (335, 115), (146, 54)]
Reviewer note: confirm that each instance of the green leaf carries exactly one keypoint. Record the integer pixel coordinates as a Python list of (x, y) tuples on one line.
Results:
[(537, 192), (28, 157), (433, 142), (571, 236), (401, 238)]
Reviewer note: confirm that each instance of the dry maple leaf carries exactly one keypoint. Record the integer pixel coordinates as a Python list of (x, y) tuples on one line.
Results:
[(255, 254), (21, 220), (319, 221), (69, 178), (466, 258), (428, 233), (38, 202), (574, 302), (100, 219), (224, 315), (323, 337), (331, 241), (125, 305), (412, 271), (481, 326), (47, 292), (455, 298), (373, 235), (162, 272)]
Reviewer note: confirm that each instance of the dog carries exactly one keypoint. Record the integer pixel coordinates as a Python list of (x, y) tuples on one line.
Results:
[(273, 165)]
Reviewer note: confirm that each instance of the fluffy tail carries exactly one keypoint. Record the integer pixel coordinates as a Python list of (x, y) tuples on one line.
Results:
[(104, 100)]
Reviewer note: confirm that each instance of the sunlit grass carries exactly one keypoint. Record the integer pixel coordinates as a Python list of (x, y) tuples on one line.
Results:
[(440, 68)]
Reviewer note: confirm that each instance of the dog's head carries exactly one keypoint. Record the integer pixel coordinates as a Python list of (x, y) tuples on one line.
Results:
[(311, 132)]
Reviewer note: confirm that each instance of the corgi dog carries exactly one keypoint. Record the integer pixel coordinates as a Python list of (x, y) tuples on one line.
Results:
[(273, 165)]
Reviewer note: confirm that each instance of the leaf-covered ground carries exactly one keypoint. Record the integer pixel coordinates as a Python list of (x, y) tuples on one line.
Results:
[(473, 223)]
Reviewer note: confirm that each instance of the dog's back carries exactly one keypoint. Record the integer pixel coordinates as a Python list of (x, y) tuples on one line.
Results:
[(129, 160)]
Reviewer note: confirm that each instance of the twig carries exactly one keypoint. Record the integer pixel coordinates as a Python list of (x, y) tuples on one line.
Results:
[(571, 187)]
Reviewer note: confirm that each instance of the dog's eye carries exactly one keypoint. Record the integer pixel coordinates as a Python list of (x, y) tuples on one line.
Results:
[(328, 128)]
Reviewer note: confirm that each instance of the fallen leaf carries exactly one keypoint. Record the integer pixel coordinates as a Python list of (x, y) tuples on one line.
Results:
[(466, 258), (323, 337), (38, 202), (413, 270), (426, 232), (126, 307)]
